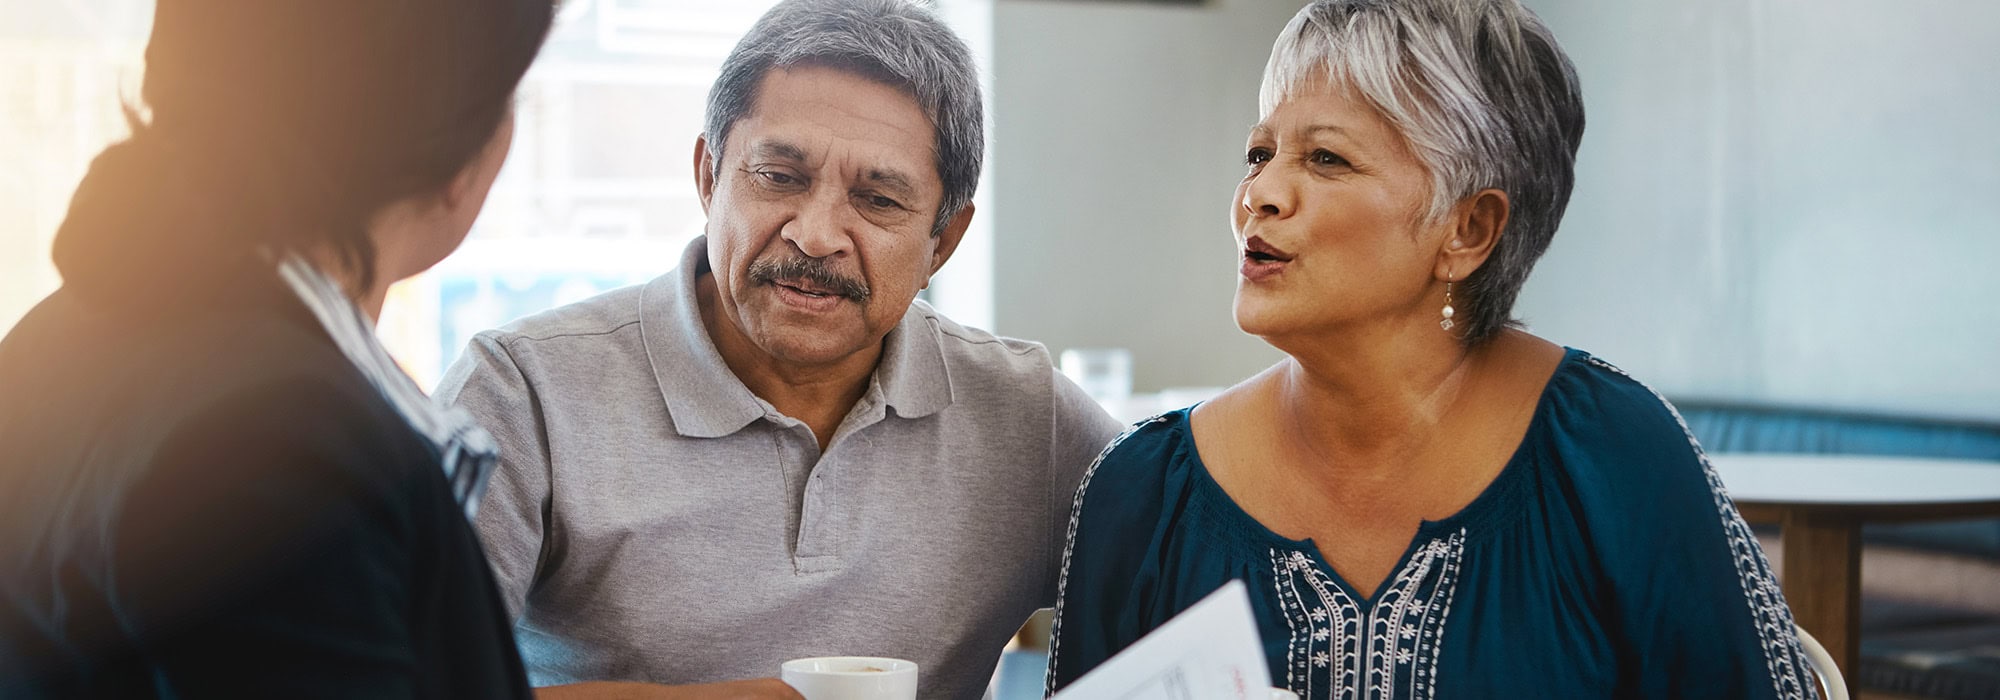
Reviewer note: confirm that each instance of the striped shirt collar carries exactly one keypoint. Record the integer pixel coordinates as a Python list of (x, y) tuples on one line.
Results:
[(467, 453)]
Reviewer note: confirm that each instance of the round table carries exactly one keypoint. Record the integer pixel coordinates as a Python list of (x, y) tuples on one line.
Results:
[(1820, 503)]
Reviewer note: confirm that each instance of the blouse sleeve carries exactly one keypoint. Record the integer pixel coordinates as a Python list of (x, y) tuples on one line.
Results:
[(1697, 608), (1116, 509), (1078, 432)]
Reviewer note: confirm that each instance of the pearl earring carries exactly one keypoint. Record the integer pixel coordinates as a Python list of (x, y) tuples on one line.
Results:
[(1448, 311)]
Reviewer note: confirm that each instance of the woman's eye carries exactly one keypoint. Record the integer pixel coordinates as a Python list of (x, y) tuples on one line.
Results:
[(1257, 156), (1326, 157)]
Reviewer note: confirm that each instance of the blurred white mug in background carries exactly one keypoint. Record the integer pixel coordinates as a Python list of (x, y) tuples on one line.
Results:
[(1103, 373)]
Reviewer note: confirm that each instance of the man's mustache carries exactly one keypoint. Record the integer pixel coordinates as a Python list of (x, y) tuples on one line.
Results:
[(816, 273)]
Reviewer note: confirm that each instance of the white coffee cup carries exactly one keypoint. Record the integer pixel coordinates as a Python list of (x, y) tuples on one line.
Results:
[(1283, 694), (852, 678)]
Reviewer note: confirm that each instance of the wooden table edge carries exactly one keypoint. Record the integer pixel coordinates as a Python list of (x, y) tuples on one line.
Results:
[(1774, 512)]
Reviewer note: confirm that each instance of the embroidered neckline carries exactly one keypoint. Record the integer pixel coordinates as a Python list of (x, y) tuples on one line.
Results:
[(1483, 517), (1385, 648)]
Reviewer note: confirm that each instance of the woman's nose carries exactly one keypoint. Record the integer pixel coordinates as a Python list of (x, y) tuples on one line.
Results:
[(1265, 196)]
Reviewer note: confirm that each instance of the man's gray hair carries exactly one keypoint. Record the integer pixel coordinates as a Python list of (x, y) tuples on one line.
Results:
[(896, 42), (1483, 95)]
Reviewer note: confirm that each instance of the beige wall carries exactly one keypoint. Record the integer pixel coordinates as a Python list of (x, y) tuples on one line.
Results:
[(1118, 137), (1781, 201)]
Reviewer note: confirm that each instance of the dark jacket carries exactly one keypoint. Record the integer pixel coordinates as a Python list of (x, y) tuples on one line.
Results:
[(201, 497)]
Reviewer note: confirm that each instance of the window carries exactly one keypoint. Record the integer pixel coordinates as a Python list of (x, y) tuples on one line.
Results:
[(597, 193), (63, 67)]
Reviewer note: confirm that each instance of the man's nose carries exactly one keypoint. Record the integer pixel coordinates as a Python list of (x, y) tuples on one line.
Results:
[(823, 228)]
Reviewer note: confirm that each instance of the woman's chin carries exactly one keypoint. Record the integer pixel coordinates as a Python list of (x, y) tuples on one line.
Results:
[(1261, 318)]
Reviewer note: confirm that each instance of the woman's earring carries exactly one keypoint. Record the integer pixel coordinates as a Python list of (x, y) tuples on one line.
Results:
[(1448, 311)]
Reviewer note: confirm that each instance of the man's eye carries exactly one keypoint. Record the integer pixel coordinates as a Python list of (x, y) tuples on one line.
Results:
[(881, 202), (1257, 156), (777, 178)]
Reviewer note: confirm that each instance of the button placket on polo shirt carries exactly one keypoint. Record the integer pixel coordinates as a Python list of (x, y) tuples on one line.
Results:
[(822, 509), (800, 451)]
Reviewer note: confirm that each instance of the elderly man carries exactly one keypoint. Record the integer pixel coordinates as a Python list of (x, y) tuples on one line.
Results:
[(774, 451)]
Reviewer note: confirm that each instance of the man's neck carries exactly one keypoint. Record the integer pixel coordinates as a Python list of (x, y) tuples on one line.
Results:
[(819, 395)]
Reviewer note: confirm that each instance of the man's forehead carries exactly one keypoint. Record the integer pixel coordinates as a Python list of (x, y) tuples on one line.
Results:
[(792, 101)]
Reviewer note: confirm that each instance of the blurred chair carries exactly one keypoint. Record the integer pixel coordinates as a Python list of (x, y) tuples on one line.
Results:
[(1831, 685), (1930, 611)]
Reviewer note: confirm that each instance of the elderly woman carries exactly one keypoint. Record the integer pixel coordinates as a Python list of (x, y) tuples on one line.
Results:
[(215, 482), (1424, 499)]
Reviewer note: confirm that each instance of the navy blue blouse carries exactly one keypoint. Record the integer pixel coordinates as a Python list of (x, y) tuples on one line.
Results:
[(1604, 561)]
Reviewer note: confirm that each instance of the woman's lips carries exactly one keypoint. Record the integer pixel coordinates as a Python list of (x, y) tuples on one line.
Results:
[(1261, 260), (1260, 270)]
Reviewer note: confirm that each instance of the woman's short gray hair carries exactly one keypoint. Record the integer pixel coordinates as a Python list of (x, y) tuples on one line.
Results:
[(1483, 95), (896, 42)]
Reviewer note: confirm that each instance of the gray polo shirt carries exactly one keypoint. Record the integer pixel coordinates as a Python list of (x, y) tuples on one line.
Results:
[(653, 520)]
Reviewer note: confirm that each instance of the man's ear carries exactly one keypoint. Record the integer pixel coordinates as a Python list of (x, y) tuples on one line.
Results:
[(704, 172), (1477, 228), (948, 239)]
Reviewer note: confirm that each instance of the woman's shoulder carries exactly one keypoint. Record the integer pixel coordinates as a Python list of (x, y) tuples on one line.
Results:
[(273, 388), (208, 379), (1592, 397), (1142, 456), (1611, 429)]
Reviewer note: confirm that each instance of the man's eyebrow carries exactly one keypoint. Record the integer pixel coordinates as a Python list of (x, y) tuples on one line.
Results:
[(778, 150), (891, 179)]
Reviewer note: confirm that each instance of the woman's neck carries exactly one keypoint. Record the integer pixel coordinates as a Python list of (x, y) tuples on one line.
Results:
[(1372, 400), (369, 299)]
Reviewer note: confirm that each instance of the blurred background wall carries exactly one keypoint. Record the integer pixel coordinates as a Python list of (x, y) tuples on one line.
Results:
[(1119, 138), (1778, 201), (1786, 201)]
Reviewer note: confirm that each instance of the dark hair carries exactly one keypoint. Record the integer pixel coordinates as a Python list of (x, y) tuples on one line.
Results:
[(281, 126)]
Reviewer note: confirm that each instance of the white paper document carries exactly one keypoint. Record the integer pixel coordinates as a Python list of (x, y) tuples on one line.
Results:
[(1210, 651)]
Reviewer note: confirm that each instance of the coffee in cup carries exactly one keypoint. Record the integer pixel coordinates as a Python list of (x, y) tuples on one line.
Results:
[(852, 678)]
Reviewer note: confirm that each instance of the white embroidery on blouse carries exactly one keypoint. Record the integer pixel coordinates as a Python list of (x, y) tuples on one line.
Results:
[(1401, 634), (1776, 631), (1069, 547)]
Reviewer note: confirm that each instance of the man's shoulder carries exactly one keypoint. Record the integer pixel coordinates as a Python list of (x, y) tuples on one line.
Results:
[(969, 350), (596, 317), (593, 339)]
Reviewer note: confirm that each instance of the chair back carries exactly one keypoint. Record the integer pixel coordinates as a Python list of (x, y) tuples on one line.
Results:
[(1831, 685)]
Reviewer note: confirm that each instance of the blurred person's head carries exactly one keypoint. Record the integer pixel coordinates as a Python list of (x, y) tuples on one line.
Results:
[(360, 134), (842, 145), (1406, 149)]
